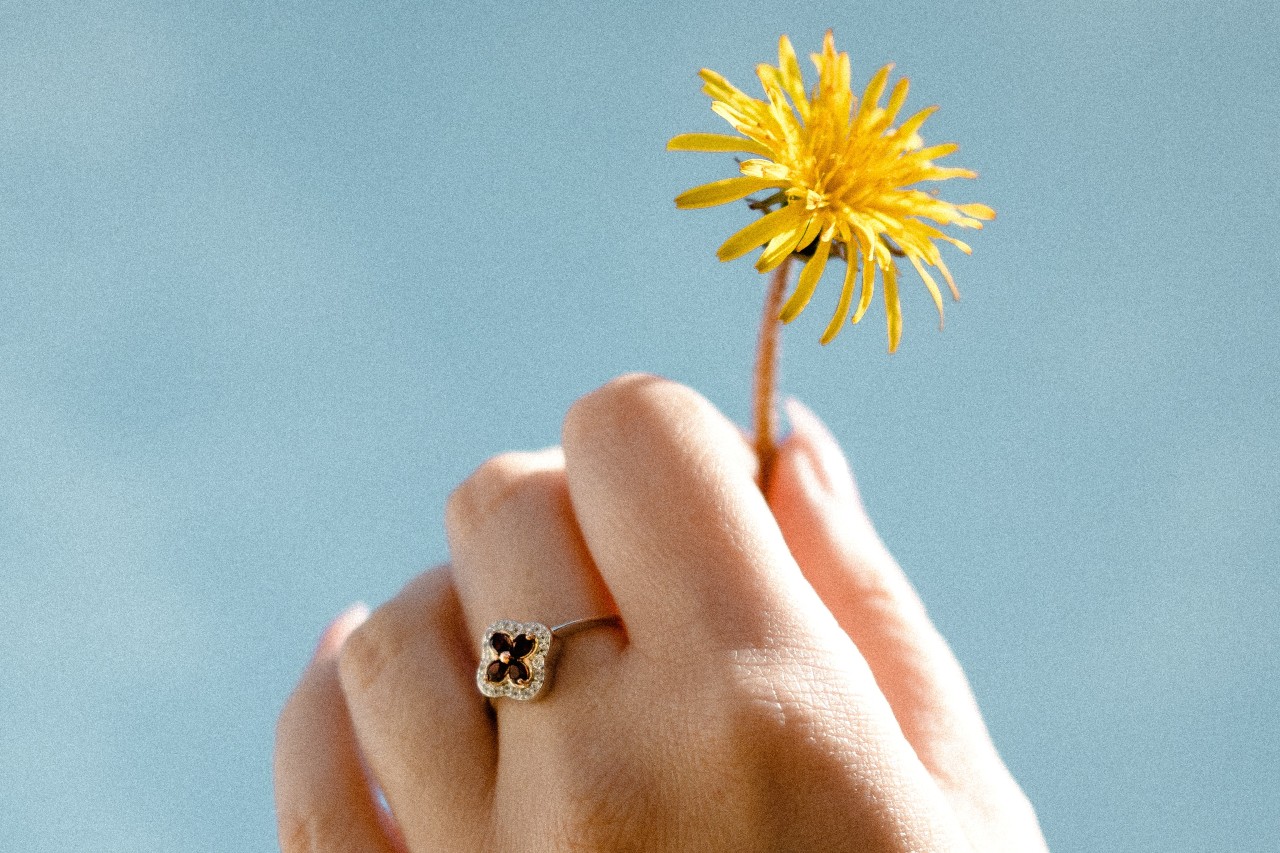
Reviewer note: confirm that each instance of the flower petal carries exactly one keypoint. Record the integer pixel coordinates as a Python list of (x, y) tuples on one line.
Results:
[(868, 279), (500, 642), (807, 284), (939, 173), (911, 125), (723, 191), (761, 127), (717, 86), (782, 116), (811, 232), (871, 95), (936, 152), (792, 79), (930, 232), (780, 248), (977, 211), (893, 308), (846, 298), (717, 142), (896, 99), (761, 231), (951, 282), (931, 284), (756, 168)]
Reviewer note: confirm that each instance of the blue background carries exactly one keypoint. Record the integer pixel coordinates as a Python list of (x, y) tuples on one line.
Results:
[(274, 277)]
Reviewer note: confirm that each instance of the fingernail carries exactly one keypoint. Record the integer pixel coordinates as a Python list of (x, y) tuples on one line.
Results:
[(342, 625), (820, 449)]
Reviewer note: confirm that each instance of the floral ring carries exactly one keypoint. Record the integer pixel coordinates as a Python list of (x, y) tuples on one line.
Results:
[(514, 655)]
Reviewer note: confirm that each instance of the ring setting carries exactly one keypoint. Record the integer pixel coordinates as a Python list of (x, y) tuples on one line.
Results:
[(513, 659), (514, 656)]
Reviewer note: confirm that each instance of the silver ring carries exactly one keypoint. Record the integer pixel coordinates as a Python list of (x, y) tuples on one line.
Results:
[(514, 656)]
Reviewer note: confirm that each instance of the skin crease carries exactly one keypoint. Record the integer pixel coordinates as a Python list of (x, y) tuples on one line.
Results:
[(777, 685)]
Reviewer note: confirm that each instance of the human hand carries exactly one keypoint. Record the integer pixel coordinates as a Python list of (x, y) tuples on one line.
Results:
[(777, 686)]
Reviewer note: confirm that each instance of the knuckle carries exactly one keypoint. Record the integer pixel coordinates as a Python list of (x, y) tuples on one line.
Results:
[(297, 834), (384, 647), (533, 495), (614, 406), (315, 831), (370, 654), (652, 416), (427, 591), (511, 481)]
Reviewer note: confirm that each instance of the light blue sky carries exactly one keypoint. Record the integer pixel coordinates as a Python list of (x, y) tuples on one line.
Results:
[(275, 276)]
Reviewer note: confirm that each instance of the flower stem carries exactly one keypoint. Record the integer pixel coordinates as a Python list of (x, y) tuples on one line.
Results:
[(766, 376)]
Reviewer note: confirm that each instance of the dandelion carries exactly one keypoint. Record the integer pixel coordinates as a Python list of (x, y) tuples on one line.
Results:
[(841, 179)]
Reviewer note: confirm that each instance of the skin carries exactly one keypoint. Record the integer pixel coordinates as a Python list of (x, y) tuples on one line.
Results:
[(776, 683)]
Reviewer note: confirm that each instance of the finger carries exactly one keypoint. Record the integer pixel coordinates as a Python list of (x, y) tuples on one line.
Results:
[(323, 800), (814, 498), (518, 555), (664, 490), (427, 736)]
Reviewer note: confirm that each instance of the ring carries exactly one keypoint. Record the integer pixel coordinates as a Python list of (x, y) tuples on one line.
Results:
[(513, 655)]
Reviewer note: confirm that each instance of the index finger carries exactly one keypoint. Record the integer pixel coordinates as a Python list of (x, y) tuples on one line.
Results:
[(664, 490)]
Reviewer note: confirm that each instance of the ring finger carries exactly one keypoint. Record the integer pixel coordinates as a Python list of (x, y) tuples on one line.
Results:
[(519, 556)]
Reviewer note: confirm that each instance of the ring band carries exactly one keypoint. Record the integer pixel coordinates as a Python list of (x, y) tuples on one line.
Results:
[(514, 655)]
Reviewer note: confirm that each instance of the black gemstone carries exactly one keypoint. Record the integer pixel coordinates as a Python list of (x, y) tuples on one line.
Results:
[(523, 645), (500, 642), (496, 672), (519, 672)]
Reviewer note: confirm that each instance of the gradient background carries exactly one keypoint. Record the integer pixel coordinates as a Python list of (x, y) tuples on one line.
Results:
[(274, 277)]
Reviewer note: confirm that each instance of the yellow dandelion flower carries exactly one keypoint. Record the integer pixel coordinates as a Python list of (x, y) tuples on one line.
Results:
[(843, 178)]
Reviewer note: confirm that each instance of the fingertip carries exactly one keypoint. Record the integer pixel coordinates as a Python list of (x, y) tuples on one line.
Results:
[(811, 458), (814, 498), (337, 631), (804, 420), (323, 796)]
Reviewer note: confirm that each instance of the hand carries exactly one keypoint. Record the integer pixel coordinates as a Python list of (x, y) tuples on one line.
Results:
[(777, 685)]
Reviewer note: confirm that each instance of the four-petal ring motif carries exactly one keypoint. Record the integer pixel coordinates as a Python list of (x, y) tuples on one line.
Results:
[(513, 659), (509, 663)]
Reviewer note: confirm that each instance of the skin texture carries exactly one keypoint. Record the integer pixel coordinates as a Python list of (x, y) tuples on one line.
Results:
[(775, 685)]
